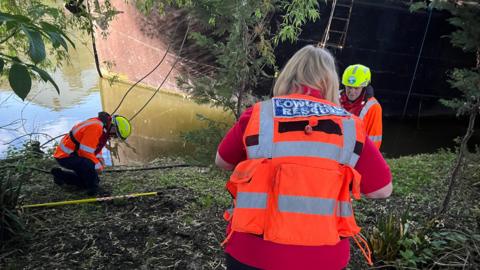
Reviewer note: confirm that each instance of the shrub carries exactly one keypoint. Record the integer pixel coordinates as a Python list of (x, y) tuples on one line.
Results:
[(205, 140), (394, 242), (12, 226)]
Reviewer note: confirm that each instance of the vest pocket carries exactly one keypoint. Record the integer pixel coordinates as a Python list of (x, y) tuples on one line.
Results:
[(346, 223), (303, 205), (251, 198)]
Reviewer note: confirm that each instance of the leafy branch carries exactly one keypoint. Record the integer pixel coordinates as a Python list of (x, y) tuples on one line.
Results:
[(19, 71)]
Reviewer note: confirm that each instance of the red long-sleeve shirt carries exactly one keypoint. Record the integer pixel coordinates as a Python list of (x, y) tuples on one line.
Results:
[(254, 251)]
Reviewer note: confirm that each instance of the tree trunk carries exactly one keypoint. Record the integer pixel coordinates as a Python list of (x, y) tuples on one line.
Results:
[(97, 64), (459, 162), (94, 45)]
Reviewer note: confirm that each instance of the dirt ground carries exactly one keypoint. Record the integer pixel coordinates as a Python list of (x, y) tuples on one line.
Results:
[(179, 228), (182, 227)]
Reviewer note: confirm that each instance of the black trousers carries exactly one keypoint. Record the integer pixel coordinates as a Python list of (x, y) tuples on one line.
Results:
[(84, 174), (233, 264)]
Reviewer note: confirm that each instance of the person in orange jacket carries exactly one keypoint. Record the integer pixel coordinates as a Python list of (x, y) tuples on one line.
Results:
[(358, 98), (80, 151)]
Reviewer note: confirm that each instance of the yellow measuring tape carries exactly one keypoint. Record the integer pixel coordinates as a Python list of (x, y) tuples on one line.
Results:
[(101, 199)]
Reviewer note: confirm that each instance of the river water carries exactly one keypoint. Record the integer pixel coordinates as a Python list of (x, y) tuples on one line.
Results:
[(157, 129), (46, 114)]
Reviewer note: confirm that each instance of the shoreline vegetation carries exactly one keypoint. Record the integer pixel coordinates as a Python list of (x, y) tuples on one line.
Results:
[(182, 226)]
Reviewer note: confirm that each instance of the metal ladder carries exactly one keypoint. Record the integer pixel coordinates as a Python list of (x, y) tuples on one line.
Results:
[(335, 33)]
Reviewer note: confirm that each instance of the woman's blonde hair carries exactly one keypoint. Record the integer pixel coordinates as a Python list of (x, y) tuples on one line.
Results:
[(313, 67)]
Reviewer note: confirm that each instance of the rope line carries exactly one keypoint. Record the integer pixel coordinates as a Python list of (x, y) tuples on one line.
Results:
[(166, 77), (418, 61), (149, 73)]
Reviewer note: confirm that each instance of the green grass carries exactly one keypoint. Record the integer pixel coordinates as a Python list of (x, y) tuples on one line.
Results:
[(411, 173)]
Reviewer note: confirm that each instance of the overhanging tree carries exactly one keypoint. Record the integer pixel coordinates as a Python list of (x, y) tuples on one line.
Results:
[(240, 37), (34, 38)]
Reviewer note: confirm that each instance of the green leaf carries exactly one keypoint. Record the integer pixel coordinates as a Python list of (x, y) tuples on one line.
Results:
[(20, 80), (57, 40), (36, 50), (47, 27), (2, 64), (46, 77)]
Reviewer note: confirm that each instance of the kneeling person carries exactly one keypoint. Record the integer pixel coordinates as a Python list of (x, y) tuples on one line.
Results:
[(81, 150)]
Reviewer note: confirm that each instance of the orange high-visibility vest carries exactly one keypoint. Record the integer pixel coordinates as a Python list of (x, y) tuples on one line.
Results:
[(371, 114), (294, 188), (87, 134)]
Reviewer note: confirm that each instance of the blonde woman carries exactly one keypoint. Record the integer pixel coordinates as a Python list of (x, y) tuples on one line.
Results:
[(295, 157)]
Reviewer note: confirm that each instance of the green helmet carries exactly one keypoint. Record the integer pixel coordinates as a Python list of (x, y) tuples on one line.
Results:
[(356, 76), (124, 129)]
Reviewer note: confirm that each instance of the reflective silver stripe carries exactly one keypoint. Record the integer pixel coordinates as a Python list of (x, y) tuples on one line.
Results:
[(353, 160), (375, 138), (354, 70), (306, 205), (251, 200), (367, 106), (93, 122), (98, 165), (344, 209), (87, 149), (305, 149), (349, 138), (99, 155), (265, 139), (65, 148)]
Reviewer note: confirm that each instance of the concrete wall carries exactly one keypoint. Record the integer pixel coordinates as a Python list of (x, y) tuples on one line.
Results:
[(134, 51)]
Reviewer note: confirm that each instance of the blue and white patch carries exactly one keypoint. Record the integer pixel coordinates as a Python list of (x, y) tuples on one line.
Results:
[(288, 107), (352, 79)]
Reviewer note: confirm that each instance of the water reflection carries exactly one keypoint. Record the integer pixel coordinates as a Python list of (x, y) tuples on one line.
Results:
[(157, 129), (45, 112)]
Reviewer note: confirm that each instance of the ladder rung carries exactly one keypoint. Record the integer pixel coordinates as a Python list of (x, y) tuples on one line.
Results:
[(338, 18), (336, 31), (334, 45), (344, 5)]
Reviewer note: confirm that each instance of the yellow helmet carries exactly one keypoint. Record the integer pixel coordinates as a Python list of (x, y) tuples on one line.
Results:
[(123, 127), (356, 76)]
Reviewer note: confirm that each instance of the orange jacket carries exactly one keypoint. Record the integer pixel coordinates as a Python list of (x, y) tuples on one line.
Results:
[(371, 114), (87, 134), (294, 188)]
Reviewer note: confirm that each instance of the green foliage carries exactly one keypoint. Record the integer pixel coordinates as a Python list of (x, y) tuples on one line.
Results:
[(239, 35), (34, 38), (239, 39), (34, 33), (297, 13), (20, 80), (468, 82), (205, 140), (395, 242), (12, 226), (385, 237)]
